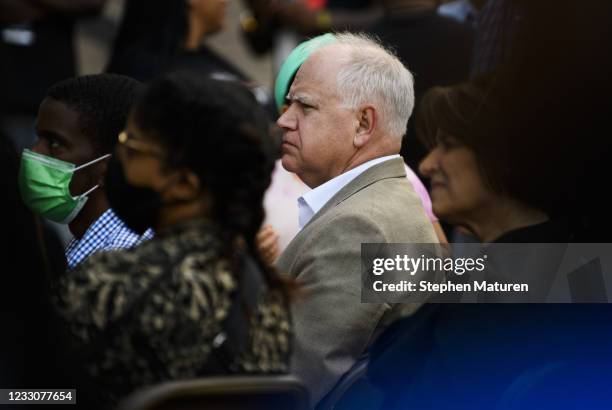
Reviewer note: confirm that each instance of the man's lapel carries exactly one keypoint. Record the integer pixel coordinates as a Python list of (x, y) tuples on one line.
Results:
[(393, 168)]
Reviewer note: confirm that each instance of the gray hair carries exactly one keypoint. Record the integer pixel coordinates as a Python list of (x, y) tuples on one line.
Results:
[(373, 74)]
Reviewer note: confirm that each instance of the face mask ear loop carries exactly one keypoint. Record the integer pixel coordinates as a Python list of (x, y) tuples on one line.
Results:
[(89, 192), (92, 162)]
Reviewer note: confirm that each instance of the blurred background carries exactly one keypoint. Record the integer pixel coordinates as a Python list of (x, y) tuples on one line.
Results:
[(94, 39)]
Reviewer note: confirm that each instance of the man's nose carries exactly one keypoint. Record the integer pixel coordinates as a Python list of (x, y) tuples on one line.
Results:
[(287, 119)]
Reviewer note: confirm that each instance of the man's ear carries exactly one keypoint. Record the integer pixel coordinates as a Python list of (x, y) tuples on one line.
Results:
[(367, 118)]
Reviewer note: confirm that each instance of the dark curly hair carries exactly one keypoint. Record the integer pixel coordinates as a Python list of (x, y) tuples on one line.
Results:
[(103, 102), (217, 130)]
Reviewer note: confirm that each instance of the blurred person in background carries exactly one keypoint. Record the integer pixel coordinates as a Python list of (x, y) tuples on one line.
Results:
[(498, 23), (555, 87), (436, 49), (194, 163), (62, 177), (168, 35), (36, 50), (280, 25), (464, 11)]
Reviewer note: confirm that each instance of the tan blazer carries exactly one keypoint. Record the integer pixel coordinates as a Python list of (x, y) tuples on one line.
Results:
[(332, 327)]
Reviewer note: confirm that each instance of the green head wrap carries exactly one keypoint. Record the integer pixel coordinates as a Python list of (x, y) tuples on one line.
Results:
[(293, 62)]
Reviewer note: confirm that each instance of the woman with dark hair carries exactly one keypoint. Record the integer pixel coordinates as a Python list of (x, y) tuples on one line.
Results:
[(487, 177), (167, 35), (196, 299), (481, 173)]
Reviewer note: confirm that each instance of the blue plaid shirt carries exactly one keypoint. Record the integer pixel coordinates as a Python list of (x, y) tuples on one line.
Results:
[(107, 232)]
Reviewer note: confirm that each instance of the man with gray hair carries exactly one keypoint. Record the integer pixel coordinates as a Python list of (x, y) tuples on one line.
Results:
[(345, 116)]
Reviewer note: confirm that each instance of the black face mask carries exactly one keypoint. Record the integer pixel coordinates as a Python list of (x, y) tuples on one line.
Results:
[(137, 207)]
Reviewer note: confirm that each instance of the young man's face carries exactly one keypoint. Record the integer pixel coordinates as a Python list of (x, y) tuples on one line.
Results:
[(61, 137)]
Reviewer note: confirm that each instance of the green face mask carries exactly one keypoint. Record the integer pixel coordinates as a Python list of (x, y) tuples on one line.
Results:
[(44, 183)]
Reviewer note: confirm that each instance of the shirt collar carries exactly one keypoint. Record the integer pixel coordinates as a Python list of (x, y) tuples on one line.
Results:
[(104, 221), (96, 237), (312, 202)]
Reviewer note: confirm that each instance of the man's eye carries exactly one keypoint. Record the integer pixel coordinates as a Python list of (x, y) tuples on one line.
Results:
[(53, 143), (301, 104)]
